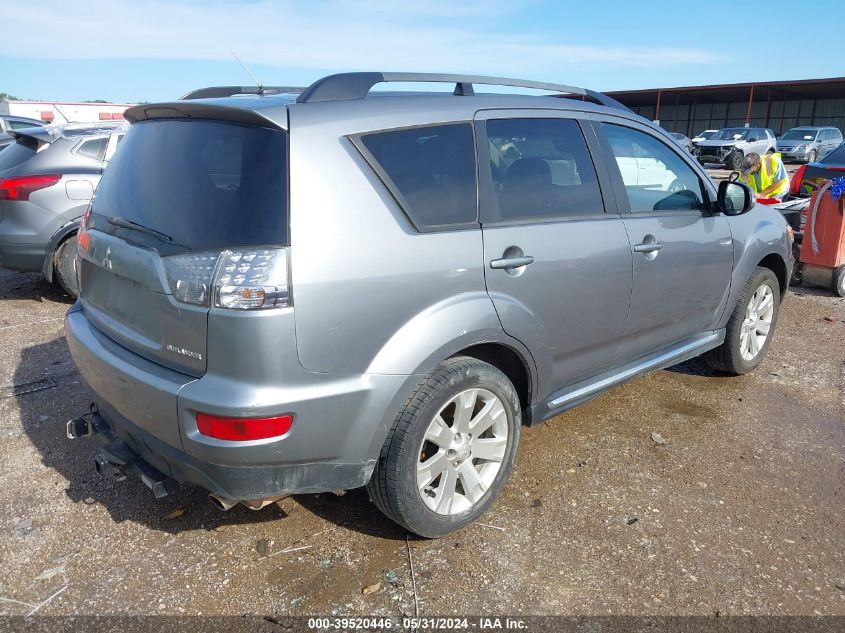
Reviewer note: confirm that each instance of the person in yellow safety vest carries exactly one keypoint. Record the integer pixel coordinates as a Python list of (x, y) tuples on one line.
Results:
[(766, 176)]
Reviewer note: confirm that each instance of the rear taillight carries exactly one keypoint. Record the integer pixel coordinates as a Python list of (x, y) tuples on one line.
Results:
[(20, 188), (797, 179), (243, 429), (247, 279)]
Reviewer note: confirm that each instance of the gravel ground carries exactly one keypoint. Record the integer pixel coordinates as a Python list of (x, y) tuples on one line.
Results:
[(740, 511)]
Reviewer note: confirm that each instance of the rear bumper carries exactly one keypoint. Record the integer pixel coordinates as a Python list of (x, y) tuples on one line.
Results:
[(22, 257), (339, 421), (241, 482), (25, 232)]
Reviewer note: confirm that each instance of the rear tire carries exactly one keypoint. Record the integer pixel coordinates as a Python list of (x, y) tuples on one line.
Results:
[(430, 477), (838, 281), (64, 266), (755, 314)]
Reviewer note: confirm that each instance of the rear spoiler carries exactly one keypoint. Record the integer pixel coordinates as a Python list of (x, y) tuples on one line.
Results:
[(41, 135), (197, 110)]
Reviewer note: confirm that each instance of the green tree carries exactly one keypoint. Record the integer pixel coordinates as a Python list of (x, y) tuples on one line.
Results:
[(5, 96)]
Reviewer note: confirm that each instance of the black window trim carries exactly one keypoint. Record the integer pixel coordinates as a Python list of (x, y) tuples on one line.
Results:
[(488, 199), (393, 190), (708, 190)]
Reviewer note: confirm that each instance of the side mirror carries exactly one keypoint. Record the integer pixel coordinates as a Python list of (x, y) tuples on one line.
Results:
[(734, 198), (752, 139)]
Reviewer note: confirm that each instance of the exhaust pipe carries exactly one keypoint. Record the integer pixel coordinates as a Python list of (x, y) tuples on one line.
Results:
[(257, 504), (222, 503)]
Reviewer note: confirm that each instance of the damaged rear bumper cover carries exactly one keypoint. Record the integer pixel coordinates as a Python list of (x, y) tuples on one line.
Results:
[(147, 410), (131, 451)]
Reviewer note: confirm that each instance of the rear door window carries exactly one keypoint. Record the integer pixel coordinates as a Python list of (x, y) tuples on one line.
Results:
[(205, 184), (429, 170), (541, 169)]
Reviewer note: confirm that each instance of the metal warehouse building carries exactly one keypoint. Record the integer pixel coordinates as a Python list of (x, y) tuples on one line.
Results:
[(778, 105)]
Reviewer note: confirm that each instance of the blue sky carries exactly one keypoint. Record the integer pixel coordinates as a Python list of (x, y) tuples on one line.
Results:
[(127, 51)]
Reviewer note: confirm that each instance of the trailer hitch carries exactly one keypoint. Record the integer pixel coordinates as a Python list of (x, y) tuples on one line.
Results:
[(80, 427), (117, 460)]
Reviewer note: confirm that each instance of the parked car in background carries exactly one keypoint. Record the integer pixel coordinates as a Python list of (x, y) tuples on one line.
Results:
[(703, 136), (810, 176), (729, 145), (284, 295), (683, 140), (48, 176), (9, 123), (807, 143)]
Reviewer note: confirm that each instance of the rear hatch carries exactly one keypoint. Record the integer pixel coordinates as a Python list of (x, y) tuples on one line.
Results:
[(178, 196)]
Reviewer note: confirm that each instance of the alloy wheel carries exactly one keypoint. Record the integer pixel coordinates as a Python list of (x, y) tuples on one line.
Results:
[(757, 323), (462, 451)]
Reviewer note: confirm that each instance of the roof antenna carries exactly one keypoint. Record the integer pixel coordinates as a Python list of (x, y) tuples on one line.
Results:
[(247, 70)]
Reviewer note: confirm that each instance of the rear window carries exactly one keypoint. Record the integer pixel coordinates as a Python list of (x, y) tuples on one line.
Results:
[(206, 184), (17, 153), (429, 170), (95, 148), (835, 157), (17, 124)]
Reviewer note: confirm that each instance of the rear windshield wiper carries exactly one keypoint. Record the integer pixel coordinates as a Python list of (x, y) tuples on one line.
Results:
[(129, 224)]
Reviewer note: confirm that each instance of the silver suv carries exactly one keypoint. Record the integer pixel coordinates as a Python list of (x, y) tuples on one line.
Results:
[(349, 288)]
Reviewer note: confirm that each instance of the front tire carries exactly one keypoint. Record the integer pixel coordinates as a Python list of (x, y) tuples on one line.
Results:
[(811, 157), (751, 326), (734, 161), (451, 449), (64, 266)]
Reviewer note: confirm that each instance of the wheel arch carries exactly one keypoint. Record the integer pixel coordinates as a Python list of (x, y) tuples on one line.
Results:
[(512, 364), (775, 263), (67, 230)]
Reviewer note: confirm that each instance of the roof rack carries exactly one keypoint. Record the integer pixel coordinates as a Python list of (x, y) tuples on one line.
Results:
[(229, 91), (349, 86)]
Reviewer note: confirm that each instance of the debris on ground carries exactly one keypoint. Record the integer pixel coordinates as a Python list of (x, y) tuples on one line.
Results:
[(174, 514), (50, 573), (657, 438), (262, 546), (374, 588), (24, 525), (537, 503), (487, 525), (391, 577), (632, 519)]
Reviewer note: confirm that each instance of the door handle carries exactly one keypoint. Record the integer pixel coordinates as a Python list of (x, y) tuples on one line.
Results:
[(511, 262), (648, 247)]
